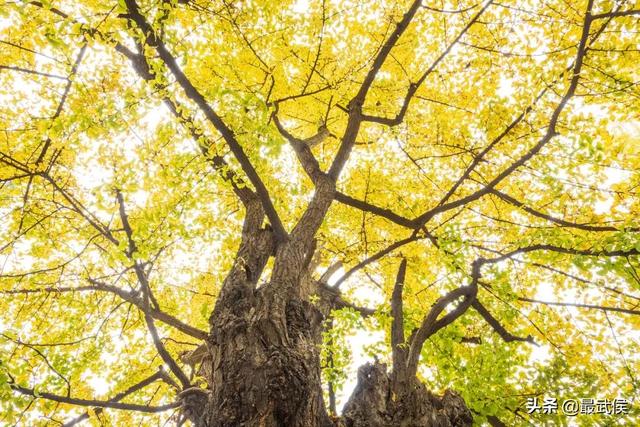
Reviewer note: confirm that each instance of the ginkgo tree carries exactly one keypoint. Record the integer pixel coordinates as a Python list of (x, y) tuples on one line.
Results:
[(204, 201)]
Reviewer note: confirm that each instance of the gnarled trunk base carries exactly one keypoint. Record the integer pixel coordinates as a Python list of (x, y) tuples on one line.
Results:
[(257, 381), (263, 366), (261, 361), (378, 402)]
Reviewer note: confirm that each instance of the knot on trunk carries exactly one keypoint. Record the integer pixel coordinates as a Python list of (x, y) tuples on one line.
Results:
[(375, 402)]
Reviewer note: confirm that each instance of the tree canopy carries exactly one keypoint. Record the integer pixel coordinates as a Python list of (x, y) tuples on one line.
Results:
[(468, 173)]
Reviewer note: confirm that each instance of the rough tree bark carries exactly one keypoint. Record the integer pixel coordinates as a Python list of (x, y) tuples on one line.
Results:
[(262, 362), (263, 368), (379, 400)]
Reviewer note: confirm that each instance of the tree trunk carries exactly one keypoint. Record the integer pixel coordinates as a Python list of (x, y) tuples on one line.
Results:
[(263, 370), (378, 400), (262, 363)]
